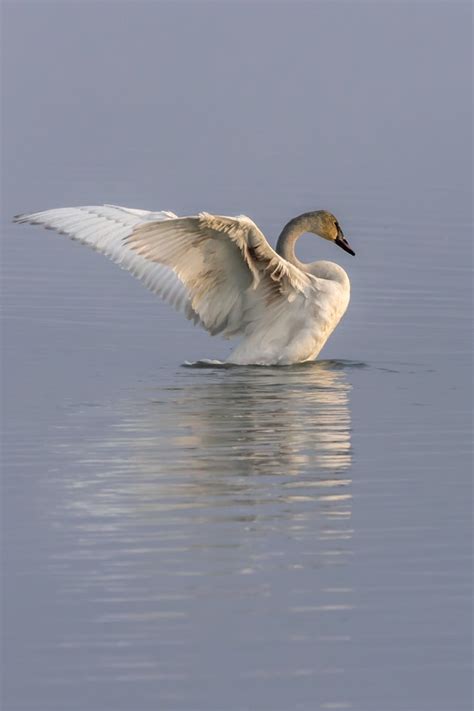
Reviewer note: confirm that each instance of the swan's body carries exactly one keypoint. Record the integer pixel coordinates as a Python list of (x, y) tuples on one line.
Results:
[(222, 273)]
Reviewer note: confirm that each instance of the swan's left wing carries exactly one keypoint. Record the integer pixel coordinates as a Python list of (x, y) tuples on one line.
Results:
[(231, 273)]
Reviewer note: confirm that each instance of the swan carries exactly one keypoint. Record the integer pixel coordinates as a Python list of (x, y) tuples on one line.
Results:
[(223, 274)]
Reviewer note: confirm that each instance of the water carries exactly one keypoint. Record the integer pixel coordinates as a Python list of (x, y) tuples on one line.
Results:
[(221, 539)]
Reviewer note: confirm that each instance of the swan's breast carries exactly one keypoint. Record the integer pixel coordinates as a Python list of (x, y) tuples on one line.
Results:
[(329, 299), (330, 271)]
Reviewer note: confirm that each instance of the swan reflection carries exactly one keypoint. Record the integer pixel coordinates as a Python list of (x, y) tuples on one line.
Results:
[(208, 439), (268, 421), (226, 485)]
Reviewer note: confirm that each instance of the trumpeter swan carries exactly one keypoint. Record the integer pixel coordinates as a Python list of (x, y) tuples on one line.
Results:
[(222, 273)]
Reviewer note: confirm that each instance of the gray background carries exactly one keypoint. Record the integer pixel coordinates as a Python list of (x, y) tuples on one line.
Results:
[(223, 540)]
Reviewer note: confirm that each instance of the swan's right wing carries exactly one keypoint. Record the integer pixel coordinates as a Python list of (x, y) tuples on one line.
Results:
[(220, 271), (104, 228)]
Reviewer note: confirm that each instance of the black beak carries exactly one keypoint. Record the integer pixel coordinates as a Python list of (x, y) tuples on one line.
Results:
[(342, 242)]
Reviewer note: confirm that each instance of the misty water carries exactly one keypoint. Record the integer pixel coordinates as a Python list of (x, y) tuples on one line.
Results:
[(229, 539)]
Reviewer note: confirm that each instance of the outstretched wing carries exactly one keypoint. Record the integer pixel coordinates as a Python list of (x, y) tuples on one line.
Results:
[(225, 263), (104, 227), (220, 271)]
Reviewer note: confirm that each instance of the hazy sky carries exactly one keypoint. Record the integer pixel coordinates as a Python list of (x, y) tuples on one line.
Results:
[(170, 105)]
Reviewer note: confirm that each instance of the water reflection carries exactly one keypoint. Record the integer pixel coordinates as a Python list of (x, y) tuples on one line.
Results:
[(212, 434), (203, 511)]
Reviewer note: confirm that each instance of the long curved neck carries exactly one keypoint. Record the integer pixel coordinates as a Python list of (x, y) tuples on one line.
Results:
[(288, 237)]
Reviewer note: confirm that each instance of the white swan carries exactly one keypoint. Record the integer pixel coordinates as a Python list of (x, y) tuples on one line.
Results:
[(222, 273)]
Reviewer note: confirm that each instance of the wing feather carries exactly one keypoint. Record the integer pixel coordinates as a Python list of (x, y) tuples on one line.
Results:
[(226, 264), (104, 228), (219, 271)]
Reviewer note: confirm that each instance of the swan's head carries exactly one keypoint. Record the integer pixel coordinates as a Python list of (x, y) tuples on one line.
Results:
[(325, 224)]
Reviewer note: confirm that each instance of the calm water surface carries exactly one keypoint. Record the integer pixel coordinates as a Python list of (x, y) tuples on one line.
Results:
[(230, 539)]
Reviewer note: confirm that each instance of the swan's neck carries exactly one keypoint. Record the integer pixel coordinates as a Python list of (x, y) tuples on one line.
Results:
[(288, 237)]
